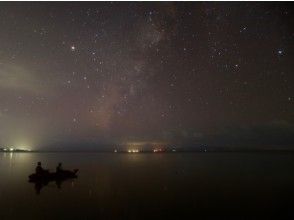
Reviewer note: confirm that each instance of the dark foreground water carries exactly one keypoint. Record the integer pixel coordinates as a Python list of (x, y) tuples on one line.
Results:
[(151, 186)]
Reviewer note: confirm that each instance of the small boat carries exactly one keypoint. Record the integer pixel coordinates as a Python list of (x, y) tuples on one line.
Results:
[(47, 176)]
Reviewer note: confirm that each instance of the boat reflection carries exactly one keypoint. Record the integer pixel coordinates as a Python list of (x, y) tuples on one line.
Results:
[(39, 185), (43, 180)]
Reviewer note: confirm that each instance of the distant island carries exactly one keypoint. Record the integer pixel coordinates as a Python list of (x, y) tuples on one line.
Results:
[(13, 149)]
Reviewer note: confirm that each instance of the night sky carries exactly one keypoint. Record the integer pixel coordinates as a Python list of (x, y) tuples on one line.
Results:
[(183, 74)]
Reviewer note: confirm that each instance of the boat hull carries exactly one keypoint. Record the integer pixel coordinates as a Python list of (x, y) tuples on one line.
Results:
[(53, 176)]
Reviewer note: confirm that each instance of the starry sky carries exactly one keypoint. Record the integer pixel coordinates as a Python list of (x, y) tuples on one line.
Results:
[(104, 73)]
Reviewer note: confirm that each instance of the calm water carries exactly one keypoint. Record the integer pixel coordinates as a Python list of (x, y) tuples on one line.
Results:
[(151, 186)]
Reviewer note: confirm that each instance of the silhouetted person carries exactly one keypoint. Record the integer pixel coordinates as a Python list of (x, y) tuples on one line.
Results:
[(59, 168), (40, 170)]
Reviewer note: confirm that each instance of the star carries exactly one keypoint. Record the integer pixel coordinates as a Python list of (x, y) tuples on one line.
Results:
[(243, 29), (73, 48), (280, 52)]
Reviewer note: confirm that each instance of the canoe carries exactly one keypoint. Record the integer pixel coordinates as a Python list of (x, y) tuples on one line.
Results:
[(66, 174)]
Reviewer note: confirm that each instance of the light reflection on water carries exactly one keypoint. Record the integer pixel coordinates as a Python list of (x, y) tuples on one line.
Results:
[(149, 186)]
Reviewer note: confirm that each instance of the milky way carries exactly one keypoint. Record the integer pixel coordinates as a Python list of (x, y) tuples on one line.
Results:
[(176, 73)]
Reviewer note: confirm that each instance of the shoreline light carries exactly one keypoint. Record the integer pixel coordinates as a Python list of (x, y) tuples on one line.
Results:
[(157, 150), (133, 151)]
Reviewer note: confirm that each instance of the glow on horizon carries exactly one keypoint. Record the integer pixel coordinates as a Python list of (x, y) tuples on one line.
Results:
[(15, 148), (133, 151), (24, 148)]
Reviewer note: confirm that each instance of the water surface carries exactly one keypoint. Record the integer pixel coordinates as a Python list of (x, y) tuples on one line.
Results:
[(151, 186)]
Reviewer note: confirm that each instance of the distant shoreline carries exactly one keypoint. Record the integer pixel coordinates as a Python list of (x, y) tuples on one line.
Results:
[(151, 152)]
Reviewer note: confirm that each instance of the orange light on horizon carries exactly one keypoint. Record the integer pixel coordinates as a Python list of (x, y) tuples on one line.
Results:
[(133, 151)]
